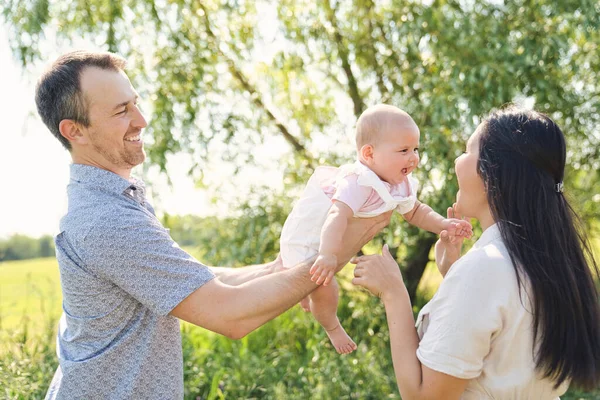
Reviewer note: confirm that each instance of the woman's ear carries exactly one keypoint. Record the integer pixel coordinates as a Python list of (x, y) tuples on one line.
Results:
[(71, 131), (366, 153)]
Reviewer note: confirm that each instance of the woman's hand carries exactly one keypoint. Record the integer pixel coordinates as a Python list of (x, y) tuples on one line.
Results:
[(379, 274), (448, 247)]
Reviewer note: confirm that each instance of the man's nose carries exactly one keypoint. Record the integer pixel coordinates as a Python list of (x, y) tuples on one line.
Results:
[(139, 120)]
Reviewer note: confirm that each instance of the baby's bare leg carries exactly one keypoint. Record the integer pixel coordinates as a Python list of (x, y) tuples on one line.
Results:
[(323, 305), (305, 304)]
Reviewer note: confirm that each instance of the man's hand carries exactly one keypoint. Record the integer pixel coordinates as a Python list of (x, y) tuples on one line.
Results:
[(323, 270), (358, 233)]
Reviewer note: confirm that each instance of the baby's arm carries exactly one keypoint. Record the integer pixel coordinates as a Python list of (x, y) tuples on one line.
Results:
[(332, 232), (422, 216)]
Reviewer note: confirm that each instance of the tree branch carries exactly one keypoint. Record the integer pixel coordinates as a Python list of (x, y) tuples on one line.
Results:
[(255, 94), (359, 105), (385, 96)]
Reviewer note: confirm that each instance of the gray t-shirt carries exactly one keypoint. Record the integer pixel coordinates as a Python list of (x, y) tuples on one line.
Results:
[(121, 274)]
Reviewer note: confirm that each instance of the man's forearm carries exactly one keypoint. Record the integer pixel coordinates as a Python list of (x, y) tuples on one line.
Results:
[(235, 311), (260, 300), (259, 295), (237, 276)]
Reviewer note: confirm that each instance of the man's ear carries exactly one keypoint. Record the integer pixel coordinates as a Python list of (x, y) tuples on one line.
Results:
[(71, 131), (366, 152)]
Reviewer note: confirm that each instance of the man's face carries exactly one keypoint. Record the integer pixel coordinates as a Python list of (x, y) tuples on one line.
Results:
[(113, 139)]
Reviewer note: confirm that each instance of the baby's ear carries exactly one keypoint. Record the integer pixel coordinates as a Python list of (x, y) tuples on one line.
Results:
[(366, 152)]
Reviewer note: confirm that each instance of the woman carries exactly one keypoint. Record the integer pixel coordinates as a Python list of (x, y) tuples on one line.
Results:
[(517, 317)]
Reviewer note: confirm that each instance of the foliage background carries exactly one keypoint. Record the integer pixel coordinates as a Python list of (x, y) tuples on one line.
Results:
[(277, 86)]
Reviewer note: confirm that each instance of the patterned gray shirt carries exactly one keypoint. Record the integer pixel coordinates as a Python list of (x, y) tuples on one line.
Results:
[(121, 274)]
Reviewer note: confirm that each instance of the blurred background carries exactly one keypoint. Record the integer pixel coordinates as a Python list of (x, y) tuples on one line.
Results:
[(244, 99)]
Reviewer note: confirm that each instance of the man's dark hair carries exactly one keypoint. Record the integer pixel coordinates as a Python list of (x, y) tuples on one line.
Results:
[(522, 156), (58, 93)]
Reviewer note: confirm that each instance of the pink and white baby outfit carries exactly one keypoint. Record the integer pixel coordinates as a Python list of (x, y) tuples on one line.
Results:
[(353, 184)]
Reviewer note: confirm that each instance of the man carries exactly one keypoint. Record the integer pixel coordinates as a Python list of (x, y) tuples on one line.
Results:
[(125, 282)]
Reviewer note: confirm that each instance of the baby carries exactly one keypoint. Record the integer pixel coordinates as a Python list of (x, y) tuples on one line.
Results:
[(387, 140)]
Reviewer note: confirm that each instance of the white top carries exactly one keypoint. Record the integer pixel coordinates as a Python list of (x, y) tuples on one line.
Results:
[(353, 184), (476, 327), (368, 196)]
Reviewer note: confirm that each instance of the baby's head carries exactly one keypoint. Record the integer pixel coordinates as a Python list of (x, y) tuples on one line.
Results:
[(387, 140)]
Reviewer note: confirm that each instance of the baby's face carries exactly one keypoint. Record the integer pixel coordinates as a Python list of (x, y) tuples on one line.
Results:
[(396, 154)]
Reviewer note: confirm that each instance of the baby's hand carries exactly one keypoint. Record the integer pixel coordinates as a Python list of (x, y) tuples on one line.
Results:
[(323, 269), (458, 228)]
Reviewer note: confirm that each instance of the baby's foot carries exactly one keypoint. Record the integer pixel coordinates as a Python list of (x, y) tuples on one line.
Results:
[(305, 304), (341, 341)]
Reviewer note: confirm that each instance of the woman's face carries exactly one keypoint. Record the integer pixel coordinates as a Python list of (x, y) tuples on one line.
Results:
[(471, 200)]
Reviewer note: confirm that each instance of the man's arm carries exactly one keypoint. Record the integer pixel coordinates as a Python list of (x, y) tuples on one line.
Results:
[(237, 276), (235, 311)]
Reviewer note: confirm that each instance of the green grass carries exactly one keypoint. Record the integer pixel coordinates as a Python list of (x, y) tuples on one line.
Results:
[(29, 293), (289, 357)]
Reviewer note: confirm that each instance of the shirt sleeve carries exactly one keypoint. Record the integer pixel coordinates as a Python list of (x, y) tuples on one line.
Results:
[(136, 253), (462, 318), (349, 192)]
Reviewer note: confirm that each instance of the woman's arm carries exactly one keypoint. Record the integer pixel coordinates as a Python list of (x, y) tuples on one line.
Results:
[(382, 277), (448, 248)]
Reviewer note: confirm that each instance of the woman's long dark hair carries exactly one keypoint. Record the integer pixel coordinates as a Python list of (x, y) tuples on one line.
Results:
[(522, 158)]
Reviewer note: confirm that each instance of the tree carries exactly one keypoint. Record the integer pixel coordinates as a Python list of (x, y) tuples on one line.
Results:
[(21, 247), (447, 63)]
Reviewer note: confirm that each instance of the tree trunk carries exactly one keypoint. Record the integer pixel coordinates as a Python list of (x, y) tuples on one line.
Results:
[(415, 262)]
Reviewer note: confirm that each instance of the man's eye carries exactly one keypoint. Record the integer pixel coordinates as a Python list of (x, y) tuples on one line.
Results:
[(122, 112)]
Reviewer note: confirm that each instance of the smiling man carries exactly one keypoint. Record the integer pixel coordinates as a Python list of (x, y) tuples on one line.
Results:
[(125, 282)]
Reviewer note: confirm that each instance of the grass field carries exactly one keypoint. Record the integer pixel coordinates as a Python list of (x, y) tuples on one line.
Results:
[(29, 293), (288, 358)]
